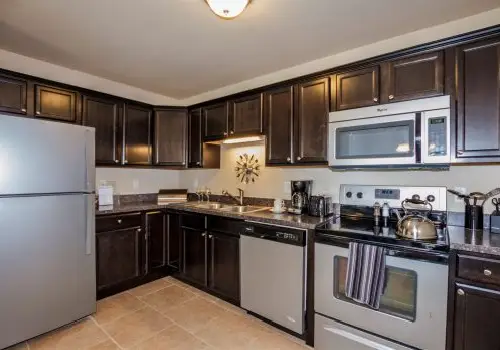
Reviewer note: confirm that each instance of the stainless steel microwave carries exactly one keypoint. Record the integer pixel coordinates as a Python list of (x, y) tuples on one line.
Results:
[(411, 134)]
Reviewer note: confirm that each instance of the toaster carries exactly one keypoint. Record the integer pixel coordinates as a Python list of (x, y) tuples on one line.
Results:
[(320, 206)]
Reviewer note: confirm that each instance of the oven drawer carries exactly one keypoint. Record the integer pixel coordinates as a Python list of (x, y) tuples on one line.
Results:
[(331, 335), (479, 269)]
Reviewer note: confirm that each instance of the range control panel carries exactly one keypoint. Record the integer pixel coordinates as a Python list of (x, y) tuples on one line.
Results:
[(367, 195)]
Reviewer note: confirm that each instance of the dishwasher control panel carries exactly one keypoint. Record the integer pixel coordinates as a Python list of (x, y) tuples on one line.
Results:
[(279, 234)]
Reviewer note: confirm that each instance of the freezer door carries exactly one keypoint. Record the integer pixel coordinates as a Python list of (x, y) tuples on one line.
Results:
[(47, 264), (45, 157)]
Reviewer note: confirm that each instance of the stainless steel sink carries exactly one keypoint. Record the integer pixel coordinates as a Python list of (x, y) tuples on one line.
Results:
[(243, 208), (211, 206)]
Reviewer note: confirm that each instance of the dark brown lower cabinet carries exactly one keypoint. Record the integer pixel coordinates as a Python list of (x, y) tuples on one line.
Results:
[(155, 249), (224, 276), (119, 258), (477, 311), (173, 240), (194, 244)]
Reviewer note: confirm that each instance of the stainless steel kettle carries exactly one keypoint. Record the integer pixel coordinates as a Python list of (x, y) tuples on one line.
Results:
[(414, 225)]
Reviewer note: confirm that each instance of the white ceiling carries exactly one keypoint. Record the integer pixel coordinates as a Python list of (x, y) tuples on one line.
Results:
[(178, 48)]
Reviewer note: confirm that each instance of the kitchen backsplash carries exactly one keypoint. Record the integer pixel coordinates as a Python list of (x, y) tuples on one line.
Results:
[(135, 181)]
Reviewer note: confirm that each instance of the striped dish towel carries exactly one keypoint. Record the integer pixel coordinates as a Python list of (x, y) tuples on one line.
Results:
[(365, 277)]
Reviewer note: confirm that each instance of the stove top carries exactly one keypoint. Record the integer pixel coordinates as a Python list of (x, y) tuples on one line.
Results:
[(364, 229)]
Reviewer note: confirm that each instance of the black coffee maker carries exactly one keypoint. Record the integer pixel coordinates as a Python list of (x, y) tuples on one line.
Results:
[(301, 192)]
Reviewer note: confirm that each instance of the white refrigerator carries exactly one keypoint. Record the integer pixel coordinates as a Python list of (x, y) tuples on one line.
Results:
[(47, 226)]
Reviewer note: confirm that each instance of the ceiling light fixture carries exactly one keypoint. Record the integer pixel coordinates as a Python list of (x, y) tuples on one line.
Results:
[(228, 9)]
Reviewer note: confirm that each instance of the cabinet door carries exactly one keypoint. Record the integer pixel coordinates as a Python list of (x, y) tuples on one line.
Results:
[(224, 275), (195, 154), (55, 103), (156, 241), (194, 255), (216, 121), (477, 312), (170, 137), (245, 116), (118, 257), (173, 240), (311, 121), (414, 77), (12, 94), (102, 114), (478, 100), (359, 88), (137, 135), (278, 113)]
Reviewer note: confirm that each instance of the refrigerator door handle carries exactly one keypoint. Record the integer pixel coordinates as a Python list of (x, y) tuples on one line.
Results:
[(90, 218), (89, 160)]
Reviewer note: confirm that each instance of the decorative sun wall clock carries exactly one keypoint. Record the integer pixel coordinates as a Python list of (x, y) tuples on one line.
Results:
[(247, 168)]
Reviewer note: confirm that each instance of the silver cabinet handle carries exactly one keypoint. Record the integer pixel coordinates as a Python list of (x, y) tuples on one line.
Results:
[(117, 161), (125, 161), (487, 272), (225, 133), (37, 112), (119, 221), (288, 159), (232, 132), (183, 163), (203, 234), (299, 158), (460, 152), (391, 97), (460, 292), (198, 163), (139, 229), (23, 109), (375, 99), (210, 236)]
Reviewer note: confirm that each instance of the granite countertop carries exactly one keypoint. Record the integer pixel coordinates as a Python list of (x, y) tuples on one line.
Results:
[(266, 217), (478, 241)]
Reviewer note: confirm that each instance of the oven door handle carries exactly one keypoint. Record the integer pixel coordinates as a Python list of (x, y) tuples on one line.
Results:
[(358, 339)]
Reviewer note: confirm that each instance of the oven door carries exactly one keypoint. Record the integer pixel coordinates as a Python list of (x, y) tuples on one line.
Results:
[(412, 308), (390, 140)]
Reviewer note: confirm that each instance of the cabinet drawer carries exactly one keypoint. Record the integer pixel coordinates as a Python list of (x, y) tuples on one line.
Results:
[(219, 224), (117, 222), (193, 221), (479, 269)]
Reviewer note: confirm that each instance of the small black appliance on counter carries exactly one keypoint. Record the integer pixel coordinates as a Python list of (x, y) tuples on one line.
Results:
[(320, 206), (301, 192)]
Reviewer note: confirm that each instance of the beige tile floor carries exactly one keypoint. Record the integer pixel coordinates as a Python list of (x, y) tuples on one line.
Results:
[(169, 315)]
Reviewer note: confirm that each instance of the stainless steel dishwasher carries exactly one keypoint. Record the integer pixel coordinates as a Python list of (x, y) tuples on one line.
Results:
[(273, 274)]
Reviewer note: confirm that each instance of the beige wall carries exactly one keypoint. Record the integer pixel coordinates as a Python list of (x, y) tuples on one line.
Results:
[(272, 182), (133, 181), (41, 69)]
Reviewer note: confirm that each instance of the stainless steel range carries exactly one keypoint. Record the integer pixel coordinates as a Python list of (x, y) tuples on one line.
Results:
[(412, 311)]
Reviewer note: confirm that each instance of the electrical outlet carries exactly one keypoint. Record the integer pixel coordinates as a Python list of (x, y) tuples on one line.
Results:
[(287, 189), (461, 190)]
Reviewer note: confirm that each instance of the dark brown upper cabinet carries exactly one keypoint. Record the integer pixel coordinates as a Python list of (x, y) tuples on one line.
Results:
[(359, 88), (413, 77), (215, 121), (195, 156), (478, 102), (311, 121), (278, 114), (137, 135), (56, 103), (13, 94), (245, 116), (103, 114), (171, 133)]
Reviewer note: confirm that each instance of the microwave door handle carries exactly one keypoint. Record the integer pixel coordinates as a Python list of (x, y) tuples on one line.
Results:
[(358, 339)]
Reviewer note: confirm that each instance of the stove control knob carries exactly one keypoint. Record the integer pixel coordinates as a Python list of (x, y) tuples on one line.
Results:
[(431, 198), (348, 194), (415, 197), (359, 195)]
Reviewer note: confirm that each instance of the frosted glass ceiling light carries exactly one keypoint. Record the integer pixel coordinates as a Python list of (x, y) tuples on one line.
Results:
[(228, 9)]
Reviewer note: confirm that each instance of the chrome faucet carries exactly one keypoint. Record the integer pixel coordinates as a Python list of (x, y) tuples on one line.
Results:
[(238, 200)]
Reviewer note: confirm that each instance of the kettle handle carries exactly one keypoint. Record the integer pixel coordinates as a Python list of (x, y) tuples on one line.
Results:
[(416, 201)]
